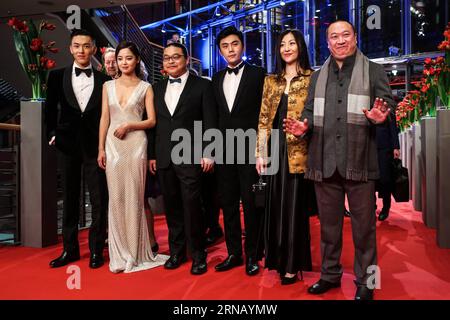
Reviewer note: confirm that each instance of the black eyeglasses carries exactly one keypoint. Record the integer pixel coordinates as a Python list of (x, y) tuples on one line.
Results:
[(175, 57)]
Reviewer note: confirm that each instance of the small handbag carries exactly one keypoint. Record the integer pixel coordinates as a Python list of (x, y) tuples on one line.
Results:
[(400, 190), (259, 189)]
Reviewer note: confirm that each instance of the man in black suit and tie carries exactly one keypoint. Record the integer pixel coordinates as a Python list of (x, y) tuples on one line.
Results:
[(73, 129), (180, 102), (238, 90)]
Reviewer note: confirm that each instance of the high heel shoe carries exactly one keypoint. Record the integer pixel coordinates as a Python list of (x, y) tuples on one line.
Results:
[(155, 247), (286, 281), (290, 280)]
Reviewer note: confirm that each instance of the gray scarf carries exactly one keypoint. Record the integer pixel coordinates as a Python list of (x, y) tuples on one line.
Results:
[(357, 123)]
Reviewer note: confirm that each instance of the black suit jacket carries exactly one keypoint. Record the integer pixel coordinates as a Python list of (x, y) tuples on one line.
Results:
[(196, 103), (247, 104), (76, 132), (387, 135)]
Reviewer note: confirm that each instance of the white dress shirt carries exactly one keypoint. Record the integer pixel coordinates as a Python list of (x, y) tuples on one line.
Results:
[(231, 85), (83, 86), (173, 92)]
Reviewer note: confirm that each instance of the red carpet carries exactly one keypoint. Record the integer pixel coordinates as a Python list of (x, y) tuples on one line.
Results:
[(412, 267)]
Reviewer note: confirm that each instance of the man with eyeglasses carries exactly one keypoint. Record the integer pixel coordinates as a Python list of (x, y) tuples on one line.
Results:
[(181, 100)]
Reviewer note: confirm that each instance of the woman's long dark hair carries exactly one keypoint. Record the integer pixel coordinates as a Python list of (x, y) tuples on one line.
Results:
[(303, 57), (134, 49)]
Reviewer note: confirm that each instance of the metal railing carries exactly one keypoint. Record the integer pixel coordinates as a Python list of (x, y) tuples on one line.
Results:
[(10, 193), (10, 184)]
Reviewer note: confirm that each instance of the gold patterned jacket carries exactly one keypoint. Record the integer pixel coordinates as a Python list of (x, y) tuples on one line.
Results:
[(273, 89)]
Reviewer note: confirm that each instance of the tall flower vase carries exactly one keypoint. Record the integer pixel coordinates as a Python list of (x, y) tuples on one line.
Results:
[(428, 186), (37, 179), (443, 177), (402, 138), (416, 168), (409, 156)]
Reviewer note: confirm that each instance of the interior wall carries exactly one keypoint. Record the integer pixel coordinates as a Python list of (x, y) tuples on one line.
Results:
[(12, 71)]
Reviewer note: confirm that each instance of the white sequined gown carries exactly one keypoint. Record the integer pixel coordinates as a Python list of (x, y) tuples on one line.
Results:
[(126, 165)]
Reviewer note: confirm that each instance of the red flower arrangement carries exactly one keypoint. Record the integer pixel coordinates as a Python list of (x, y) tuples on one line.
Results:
[(32, 51), (435, 83), (443, 67)]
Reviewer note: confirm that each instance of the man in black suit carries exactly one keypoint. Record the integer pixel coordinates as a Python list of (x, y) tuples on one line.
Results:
[(182, 102), (238, 90), (73, 129), (388, 147)]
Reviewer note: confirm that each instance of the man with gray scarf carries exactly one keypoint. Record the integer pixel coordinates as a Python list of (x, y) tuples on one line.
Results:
[(342, 156)]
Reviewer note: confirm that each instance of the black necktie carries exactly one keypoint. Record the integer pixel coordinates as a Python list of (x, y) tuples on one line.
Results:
[(235, 70), (175, 80), (78, 71)]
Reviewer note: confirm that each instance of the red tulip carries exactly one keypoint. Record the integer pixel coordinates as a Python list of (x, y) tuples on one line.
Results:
[(49, 26), (50, 64), (32, 67), (20, 26), (12, 22), (36, 44), (43, 61), (445, 45)]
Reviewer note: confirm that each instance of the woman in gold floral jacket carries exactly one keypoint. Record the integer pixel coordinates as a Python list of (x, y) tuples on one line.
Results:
[(286, 228)]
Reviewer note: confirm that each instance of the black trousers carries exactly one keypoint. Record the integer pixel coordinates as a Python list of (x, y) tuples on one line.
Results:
[(385, 183), (210, 196), (330, 199), (98, 195), (235, 183), (181, 188)]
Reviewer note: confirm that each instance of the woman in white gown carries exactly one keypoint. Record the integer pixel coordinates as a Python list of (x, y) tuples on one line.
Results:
[(123, 154)]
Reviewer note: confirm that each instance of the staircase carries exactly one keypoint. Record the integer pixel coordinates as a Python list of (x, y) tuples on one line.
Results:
[(123, 26), (9, 191)]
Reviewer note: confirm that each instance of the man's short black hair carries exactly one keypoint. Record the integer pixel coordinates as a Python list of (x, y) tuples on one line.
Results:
[(353, 27), (225, 32), (81, 32), (179, 45)]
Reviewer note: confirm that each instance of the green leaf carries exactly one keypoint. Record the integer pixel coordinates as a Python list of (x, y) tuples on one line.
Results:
[(22, 52)]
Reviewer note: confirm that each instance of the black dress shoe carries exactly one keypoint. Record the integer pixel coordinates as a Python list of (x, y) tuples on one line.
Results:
[(199, 267), (252, 267), (383, 215), (96, 261), (64, 259), (322, 286), (155, 247), (213, 236), (174, 261), (363, 293), (230, 262)]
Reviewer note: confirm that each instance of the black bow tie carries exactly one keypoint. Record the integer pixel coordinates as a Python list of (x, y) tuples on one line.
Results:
[(175, 80), (78, 71), (235, 70)]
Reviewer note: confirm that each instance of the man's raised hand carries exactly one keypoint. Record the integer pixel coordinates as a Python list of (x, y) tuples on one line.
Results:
[(379, 111)]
